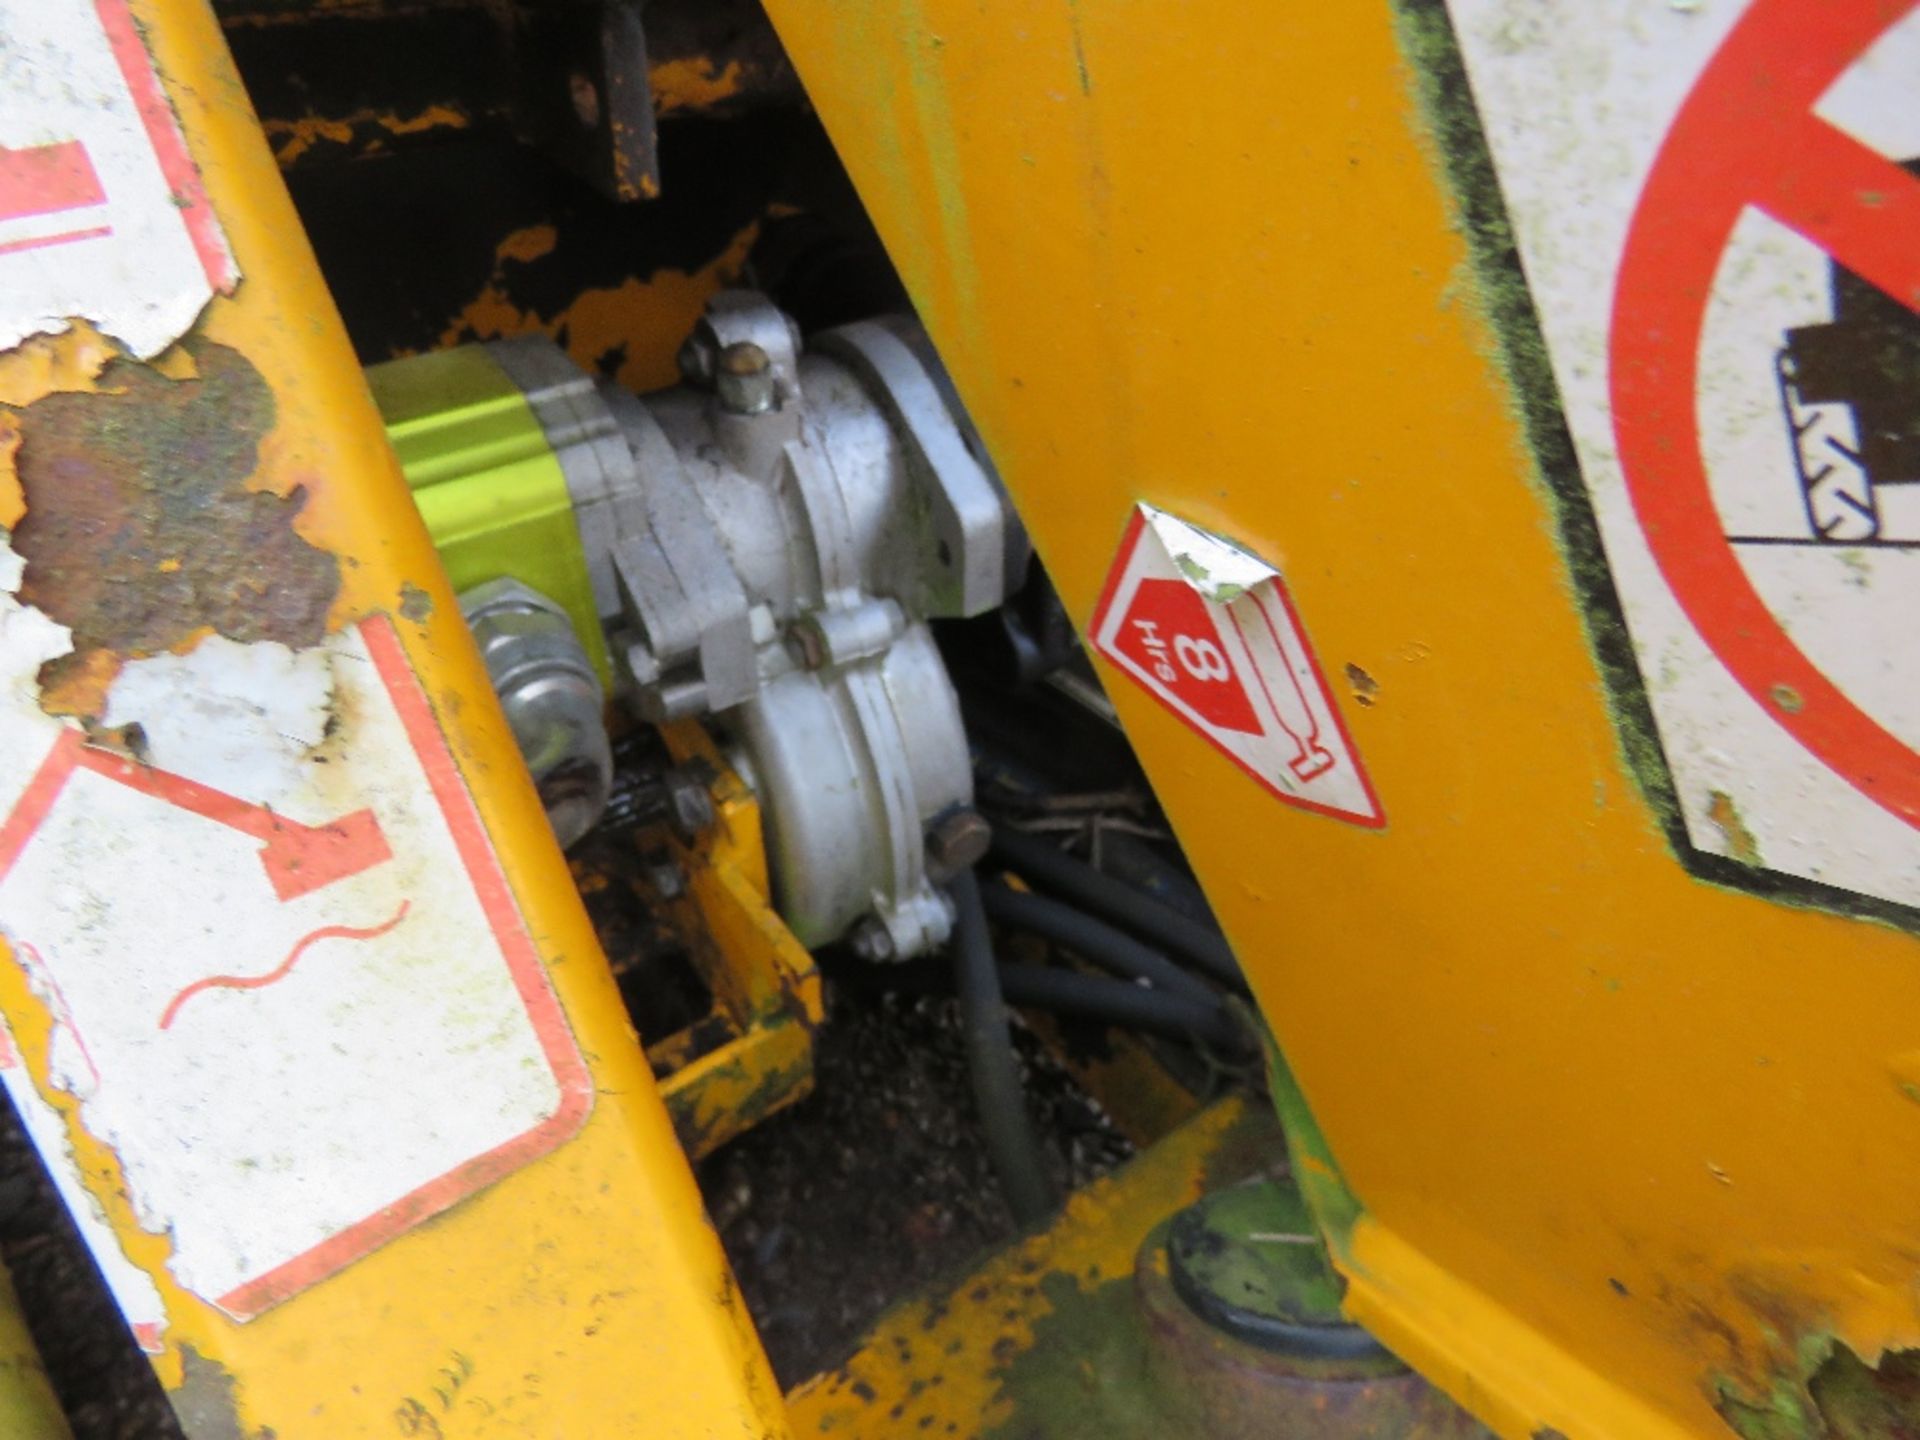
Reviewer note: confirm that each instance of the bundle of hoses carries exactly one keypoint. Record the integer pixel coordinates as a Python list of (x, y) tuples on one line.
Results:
[(1150, 992)]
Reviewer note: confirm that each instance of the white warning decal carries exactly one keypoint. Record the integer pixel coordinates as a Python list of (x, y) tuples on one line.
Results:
[(1210, 632), (1717, 210), (280, 967), (102, 215)]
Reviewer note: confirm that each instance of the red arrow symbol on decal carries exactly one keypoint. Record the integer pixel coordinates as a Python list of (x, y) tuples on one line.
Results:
[(298, 859), (46, 178)]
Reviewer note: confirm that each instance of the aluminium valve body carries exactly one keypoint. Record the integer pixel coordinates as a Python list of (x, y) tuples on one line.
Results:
[(766, 544)]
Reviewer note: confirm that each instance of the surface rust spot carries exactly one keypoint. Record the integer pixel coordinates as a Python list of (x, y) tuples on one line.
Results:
[(1741, 844), (1365, 687), (415, 604), (1844, 1398), (140, 530)]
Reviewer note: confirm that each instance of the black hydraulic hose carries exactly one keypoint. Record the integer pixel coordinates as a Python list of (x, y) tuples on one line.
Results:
[(1116, 1002), (1074, 880), (1100, 998), (1092, 939), (991, 1062)]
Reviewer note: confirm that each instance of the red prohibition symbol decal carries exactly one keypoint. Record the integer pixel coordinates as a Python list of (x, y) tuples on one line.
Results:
[(1747, 135)]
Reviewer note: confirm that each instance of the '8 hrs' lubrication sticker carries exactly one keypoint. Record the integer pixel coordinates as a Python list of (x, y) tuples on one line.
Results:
[(1210, 632), (1717, 210)]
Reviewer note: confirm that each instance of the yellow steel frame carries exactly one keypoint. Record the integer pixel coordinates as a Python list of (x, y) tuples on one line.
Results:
[(584, 1294), (1624, 1145), (766, 989)]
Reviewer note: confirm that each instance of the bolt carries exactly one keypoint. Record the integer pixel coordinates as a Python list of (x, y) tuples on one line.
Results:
[(689, 806), (667, 881), (744, 379), (870, 940), (957, 840)]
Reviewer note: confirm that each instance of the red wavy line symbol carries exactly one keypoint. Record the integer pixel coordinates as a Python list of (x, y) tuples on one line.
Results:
[(280, 971)]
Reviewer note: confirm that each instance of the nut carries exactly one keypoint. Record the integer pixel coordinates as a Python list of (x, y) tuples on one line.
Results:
[(667, 880), (957, 840), (743, 379), (689, 806), (870, 940)]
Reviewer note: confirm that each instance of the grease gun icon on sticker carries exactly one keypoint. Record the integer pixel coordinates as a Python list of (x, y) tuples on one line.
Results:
[(1210, 632)]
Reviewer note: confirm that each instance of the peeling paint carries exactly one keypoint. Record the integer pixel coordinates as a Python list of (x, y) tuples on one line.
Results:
[(694, 83), (1365, 687), (29, 640), (1741, 844), (131, 1287), (359, 131), (207, 1400), (415, 604), (142, 530), (1835, 1396), (244, 717), (602, 321)]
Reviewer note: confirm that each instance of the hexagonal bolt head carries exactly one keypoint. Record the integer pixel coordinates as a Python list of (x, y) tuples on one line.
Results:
[(667, 880), (956, 841), (870, 940), (689, 805), (743, 379)]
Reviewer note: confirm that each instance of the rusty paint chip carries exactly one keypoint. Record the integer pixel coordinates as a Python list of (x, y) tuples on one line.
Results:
[(141, 532)]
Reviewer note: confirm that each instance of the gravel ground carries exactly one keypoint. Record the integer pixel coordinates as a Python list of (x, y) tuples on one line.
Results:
[(879, 1183)]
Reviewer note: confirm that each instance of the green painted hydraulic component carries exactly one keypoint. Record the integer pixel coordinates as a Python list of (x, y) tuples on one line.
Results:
[(486, 479)]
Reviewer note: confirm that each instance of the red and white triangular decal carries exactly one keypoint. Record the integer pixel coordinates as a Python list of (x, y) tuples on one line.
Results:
[(1209, 631)]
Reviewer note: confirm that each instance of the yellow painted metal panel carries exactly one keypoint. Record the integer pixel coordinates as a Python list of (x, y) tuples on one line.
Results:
[(1624, 1140), (584, 1294)]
